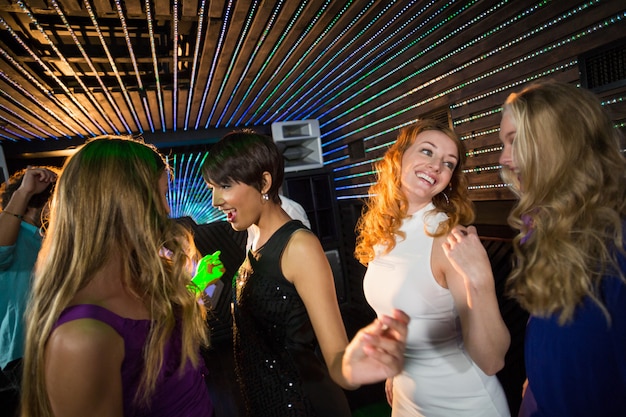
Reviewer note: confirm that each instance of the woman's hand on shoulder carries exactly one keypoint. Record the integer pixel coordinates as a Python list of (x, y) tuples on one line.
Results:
[(376, 352), (83, 363)]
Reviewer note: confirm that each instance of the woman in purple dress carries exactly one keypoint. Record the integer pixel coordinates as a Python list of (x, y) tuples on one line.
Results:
[(112, 328)]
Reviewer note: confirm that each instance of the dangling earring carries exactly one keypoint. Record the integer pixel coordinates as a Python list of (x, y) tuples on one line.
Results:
[(446, 197), (266, 197)]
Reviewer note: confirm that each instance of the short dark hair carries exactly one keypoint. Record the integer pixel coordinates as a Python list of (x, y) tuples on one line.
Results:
[(243, 156)]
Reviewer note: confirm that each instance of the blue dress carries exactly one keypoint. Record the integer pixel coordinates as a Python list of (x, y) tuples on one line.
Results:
[(579, 369)]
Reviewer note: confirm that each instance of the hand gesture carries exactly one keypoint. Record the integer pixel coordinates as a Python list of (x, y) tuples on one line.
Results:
[(37, 179), (468, 256), (377, 351), (210, 269)]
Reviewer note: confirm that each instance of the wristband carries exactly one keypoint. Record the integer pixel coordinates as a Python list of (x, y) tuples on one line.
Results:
[(19, 216)]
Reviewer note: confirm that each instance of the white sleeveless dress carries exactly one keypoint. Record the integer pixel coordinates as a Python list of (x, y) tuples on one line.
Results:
[(439, 377)]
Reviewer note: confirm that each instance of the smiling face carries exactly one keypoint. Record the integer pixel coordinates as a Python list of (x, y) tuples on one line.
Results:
[(240, 202), (427, 167)]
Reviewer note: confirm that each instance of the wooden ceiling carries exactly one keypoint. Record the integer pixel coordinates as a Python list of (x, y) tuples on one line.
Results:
[(173, 71), (181, 73)]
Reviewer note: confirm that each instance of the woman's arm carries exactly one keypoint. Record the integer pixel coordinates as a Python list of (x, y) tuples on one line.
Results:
[(83, 370), (463, 260), (376, 351), (304, 263), (34, 181)]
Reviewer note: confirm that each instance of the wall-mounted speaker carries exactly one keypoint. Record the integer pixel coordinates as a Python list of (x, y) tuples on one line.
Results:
[(300, 143)]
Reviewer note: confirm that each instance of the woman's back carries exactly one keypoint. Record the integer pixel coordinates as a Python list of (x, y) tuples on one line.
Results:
[(176, 394)]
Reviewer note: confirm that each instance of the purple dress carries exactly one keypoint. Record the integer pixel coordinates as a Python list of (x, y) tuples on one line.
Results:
[(180, 395)]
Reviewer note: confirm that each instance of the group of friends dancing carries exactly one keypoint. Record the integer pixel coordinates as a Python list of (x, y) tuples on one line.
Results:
[(113, 329)]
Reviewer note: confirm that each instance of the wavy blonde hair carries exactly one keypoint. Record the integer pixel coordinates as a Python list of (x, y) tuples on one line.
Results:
[(107, 201), (387, 205), (572, 197)]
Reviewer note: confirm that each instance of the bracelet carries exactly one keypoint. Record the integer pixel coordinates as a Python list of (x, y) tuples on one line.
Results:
[(19, 216)]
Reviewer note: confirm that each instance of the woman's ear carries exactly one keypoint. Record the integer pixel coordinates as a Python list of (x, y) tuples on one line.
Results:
[(267, 182)]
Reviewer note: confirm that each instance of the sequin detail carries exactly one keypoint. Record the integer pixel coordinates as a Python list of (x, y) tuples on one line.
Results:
[(275, 344)]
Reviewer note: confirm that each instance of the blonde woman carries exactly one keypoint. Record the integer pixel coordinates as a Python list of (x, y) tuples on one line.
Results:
[(457, 338), (562, 155), (112, 329)]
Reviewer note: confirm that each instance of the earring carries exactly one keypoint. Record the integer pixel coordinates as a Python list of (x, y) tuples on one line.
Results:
[(266, 197), (446, 197)]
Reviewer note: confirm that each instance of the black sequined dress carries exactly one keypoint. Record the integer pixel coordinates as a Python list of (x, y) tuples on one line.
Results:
[(276, 364)]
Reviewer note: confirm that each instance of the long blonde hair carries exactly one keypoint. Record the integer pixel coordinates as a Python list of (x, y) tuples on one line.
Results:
[(107, 201), (571, 185), (387, 205)]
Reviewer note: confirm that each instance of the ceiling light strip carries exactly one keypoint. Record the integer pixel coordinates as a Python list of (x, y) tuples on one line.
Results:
[(155, 65), (9, 131), (412, 57), (175, 66), (268, 27), (270, 56), (233, 59), (216, 55), (488, 113), (48, 93), (336, 160), (19, 127), (477, 116), (188, 194), (105, 48), (356, 164), (487, 186), (78, 79), (184, 185), (9, 138), (481, 151), (133, 59), (519, 39), (25, 121), (480, 134), (297, 43), (499, 49), (327, 76), (405, 43), (88, 92), (286, 57), (316, 59), (196, 54), (50, 73), (32, 113), (446, 92), (358, 175), (353, 186), (536, 76), (480, 169), (354, 197)]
